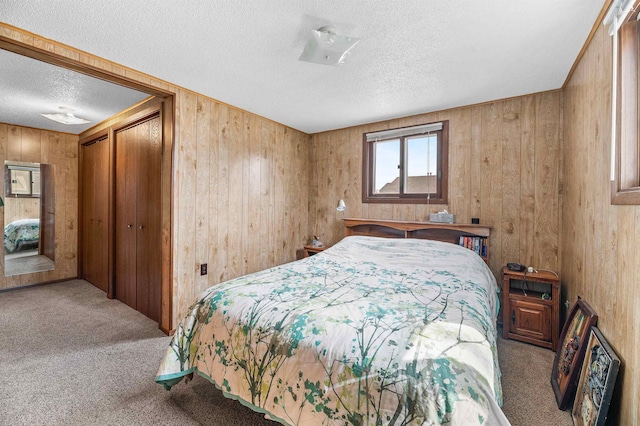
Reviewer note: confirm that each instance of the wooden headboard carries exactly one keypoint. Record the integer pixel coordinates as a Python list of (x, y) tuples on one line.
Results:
[(447, 232)]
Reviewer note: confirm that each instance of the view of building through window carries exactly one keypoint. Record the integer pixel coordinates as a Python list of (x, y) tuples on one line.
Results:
[(422, 165)]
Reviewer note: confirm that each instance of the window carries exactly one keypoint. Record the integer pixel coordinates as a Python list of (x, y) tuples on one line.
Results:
[(406, 165), (22, 181), (625, 148)]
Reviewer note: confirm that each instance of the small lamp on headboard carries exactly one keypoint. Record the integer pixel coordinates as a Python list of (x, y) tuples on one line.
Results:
[(341, 206)]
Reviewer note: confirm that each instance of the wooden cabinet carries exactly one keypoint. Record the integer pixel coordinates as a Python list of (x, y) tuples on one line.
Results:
[(531, 307), (530, 319), (138, 157), (95, 212)]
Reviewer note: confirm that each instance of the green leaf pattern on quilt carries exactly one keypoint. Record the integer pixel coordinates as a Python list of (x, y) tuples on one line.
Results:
[(21, 233), (361, 342)]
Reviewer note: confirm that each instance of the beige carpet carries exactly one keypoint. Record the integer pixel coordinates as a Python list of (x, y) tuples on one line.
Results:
[(70, 356), (526, 385)]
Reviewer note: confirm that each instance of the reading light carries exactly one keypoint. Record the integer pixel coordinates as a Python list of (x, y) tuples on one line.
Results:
[(341, 206), (326, 47)]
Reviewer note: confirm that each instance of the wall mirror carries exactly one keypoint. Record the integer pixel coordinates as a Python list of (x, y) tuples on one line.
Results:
[(29, 218)]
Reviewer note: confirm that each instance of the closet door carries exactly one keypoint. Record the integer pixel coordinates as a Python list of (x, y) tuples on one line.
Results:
[(138, 226), (88, 159), (148, 231), (95, 212), (125, 217)]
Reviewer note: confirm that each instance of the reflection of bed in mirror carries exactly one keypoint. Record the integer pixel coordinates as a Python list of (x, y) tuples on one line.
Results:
[(22, 253), (28, 218), (22, 235)]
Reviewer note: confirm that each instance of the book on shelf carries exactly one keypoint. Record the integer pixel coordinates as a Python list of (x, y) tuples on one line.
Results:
[(475, 244)]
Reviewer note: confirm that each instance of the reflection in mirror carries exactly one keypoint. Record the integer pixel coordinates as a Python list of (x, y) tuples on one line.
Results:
[(29, 218)]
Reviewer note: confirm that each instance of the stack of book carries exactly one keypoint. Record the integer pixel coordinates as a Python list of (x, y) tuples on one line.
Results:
[(477, 244)]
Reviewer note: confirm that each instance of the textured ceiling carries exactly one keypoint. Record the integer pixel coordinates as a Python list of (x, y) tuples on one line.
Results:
[(414, 56), (29, 88)]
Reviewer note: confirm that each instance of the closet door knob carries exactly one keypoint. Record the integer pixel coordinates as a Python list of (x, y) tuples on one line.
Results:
[(129, 225), (141, 227), (98, 221)]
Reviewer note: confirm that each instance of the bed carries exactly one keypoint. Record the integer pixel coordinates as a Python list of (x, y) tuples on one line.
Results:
[(370, 331), (21, 235)]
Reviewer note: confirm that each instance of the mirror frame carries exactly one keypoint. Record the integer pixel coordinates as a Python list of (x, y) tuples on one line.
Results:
[(11, 197)]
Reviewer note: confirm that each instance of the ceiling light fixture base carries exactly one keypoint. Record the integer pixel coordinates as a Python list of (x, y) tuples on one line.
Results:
[(66, 117), (326, 47)]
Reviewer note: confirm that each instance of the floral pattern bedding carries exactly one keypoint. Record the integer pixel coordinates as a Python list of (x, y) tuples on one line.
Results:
[(21, 233), (371, 331)]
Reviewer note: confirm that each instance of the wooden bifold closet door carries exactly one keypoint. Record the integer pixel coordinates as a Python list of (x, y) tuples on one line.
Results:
[(138, 161), (95, 212)]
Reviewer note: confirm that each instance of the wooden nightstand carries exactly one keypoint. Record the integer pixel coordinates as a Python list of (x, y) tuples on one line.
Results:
[(531, 307), (311, 250)]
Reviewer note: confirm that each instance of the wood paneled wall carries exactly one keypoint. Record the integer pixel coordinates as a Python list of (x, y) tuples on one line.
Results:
[(21, 208), (60, 150), (504, 168), (240, 182), (241, 194), (600, 250)]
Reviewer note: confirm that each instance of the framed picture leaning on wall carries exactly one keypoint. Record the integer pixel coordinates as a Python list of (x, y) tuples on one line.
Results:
[(570, 352), (596, 382)]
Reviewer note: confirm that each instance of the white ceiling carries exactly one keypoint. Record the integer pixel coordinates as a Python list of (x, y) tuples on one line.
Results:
[(29, 88), (414, 56)]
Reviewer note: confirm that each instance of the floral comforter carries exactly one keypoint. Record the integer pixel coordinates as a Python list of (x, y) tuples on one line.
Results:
[(371, 331), (21, 233)]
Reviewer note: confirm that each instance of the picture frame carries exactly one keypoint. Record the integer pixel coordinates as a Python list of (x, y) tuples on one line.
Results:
[(570, 352), (596, 383)]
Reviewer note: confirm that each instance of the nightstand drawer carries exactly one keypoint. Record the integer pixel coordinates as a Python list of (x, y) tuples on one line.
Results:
[(530, 319)]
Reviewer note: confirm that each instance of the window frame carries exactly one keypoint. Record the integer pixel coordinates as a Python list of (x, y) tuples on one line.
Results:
[(368, 167), (625, 179), (33, 190)]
